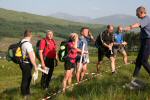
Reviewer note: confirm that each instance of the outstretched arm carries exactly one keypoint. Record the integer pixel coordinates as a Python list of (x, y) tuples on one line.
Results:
[(136, 25)]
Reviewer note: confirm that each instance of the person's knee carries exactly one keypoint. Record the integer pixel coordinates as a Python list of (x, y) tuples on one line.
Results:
[(78, 70), (125, 55), (112, 59), (84, 67), (70, 75), (67, 75)]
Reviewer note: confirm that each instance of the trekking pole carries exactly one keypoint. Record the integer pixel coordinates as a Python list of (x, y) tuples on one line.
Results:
[(81, 55)]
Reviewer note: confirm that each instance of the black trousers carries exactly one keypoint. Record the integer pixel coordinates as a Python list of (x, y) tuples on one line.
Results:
[(26, 78), (142, 58), (45, 79)]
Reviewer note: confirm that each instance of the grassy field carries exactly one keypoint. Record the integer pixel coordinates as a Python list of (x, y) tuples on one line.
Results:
[(105, 87)]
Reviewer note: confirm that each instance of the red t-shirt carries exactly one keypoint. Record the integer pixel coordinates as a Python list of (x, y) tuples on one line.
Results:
[(49, 48), (72, 52)]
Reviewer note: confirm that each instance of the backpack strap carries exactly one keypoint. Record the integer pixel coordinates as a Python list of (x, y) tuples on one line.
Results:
[(20, 45), (46, 42), (46, 45), (69, 51), (101, 39)]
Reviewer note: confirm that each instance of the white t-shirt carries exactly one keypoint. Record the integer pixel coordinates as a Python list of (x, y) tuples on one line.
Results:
[(26, 47)]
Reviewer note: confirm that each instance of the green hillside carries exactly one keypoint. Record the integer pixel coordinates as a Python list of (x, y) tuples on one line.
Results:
[(13, 23), (102, 87)]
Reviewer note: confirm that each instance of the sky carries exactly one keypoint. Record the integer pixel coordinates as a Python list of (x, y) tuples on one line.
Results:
[(88, 8)]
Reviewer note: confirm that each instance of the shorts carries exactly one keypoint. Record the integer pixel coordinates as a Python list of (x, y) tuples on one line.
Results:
[(69, 65), (104, 52), (120, 49), (85, 58)]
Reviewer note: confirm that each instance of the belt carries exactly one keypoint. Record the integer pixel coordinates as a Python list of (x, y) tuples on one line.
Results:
[(26, 61)]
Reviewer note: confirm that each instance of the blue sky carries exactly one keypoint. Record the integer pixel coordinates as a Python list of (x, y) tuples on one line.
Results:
[(89, 8)]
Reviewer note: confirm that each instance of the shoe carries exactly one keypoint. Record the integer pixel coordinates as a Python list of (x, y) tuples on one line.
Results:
[(46, 89), (133, 62), (26, 97), (64, 90), (86, 73), (114, 72), (138, 83), (70, 89), (98, 71), (127, 64), (130, 86), (135, 84)]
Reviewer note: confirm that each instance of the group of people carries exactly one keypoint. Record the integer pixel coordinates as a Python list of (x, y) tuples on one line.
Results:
[(107, 42)]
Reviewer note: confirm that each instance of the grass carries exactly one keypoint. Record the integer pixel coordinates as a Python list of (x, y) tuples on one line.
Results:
[(106, 87)]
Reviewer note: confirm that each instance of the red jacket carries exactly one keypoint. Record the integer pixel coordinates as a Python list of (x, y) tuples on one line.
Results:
[(49, 47)]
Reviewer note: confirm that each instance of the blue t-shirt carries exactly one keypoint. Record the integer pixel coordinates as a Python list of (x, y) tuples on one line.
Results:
[(145, 27), (118, 37), (85, 41)]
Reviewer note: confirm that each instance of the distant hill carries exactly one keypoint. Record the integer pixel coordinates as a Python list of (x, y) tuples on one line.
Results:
[(12, 23), (117, 19), (71, 17)]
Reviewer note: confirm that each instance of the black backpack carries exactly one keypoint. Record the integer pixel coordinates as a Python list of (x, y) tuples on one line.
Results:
[(14, 52), (37, 48), (63, 51), (99, 41)]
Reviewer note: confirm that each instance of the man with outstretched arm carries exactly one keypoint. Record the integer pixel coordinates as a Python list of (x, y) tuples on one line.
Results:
[(144, 52)]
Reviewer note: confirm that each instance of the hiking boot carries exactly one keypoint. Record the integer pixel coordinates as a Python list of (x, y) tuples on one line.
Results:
[(135, 84), (130, 86)]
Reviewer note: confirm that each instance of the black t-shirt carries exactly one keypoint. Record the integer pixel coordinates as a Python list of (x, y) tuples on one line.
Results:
[(106, 38)]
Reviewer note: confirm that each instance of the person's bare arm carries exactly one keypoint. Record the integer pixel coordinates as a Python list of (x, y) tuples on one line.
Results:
[(42, 59), (32, 59), (116, 44), (136, 25), (106, 45)]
